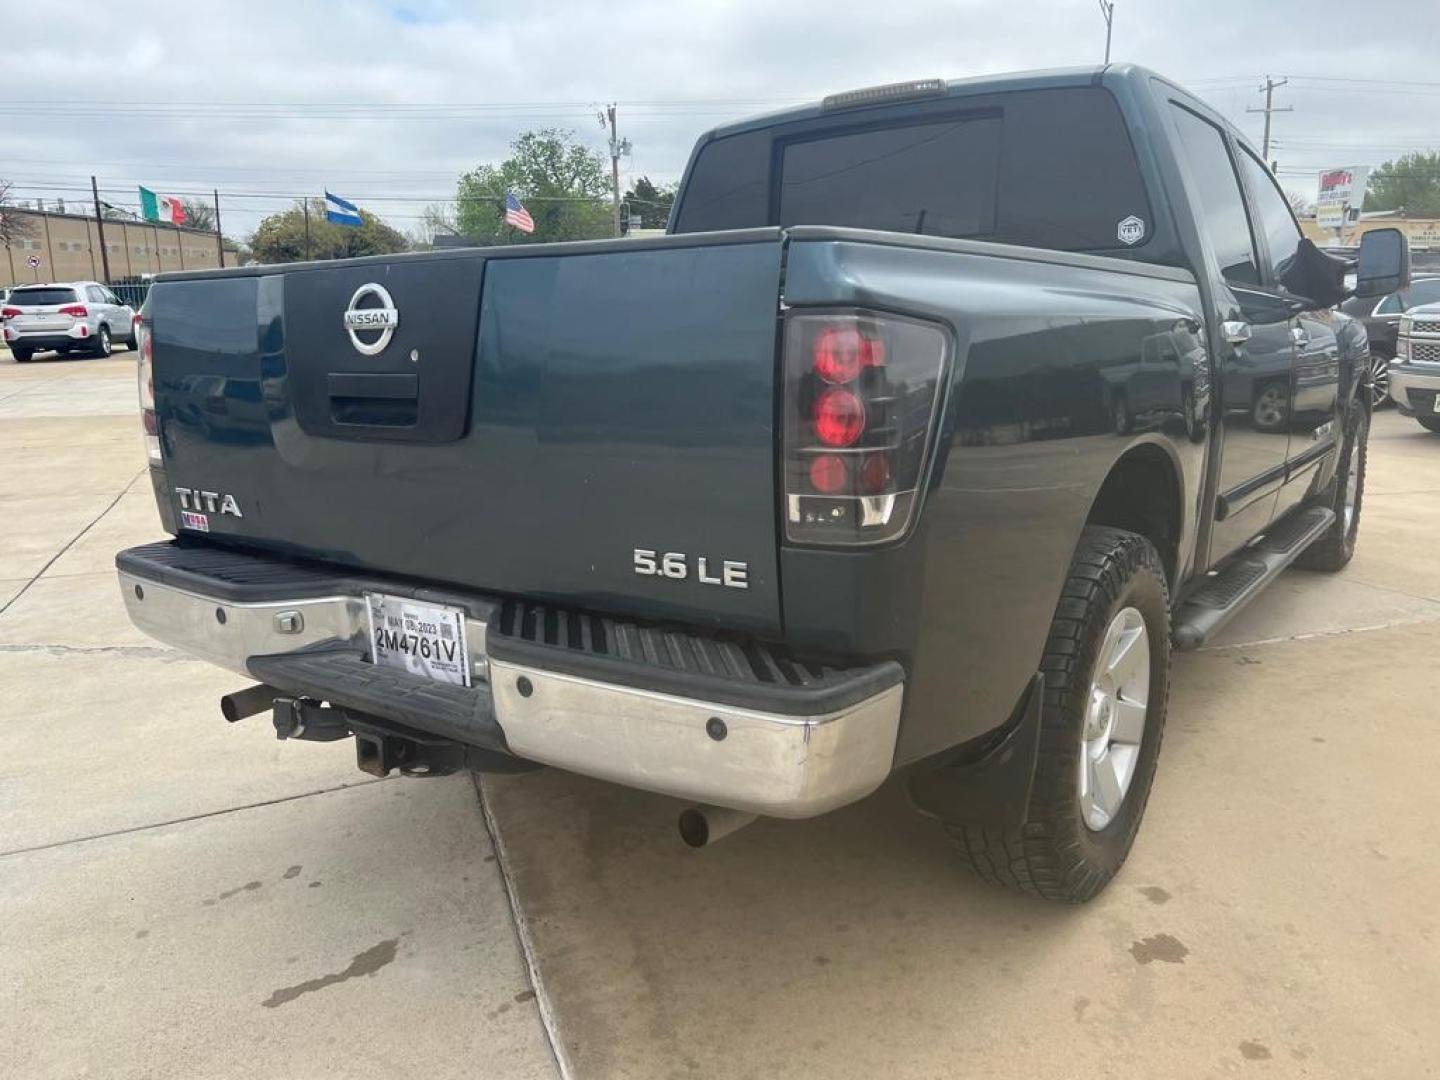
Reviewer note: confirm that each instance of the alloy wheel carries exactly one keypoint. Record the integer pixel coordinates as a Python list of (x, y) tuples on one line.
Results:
[(1114, 722)]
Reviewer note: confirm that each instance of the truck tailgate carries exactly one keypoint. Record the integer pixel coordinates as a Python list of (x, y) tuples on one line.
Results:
[(537, 415)]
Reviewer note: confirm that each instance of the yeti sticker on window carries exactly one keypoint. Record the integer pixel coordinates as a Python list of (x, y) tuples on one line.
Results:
[(1131, 230)]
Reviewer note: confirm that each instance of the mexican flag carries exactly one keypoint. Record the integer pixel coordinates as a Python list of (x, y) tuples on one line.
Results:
[(161, 208)]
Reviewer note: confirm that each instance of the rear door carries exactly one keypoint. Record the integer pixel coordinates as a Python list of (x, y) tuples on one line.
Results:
[(1255, 367), (533, 419)]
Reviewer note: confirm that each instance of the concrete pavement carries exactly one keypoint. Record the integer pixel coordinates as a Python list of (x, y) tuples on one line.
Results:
[(180, 899), (1276, 918)]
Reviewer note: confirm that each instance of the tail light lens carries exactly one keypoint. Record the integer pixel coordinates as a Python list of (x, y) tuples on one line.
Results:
[(10, 312), (77, 310), (862, 393), (145, 378)]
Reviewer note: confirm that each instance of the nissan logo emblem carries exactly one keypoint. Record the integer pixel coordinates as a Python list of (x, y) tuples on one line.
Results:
[(381, 319)]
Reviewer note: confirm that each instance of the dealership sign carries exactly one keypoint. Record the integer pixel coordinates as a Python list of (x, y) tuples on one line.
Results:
[(1341, 195)]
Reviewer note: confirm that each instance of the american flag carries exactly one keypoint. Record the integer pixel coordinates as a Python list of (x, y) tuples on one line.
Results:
[(517, 215)]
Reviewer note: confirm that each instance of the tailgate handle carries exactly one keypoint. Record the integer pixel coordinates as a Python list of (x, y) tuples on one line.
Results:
[(373, 399)]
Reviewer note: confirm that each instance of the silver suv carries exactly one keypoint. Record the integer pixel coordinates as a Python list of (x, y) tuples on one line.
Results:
[(1415, 372), (67, 317)]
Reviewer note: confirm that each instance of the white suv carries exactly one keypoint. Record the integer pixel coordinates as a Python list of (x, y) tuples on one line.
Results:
[(72, 315)]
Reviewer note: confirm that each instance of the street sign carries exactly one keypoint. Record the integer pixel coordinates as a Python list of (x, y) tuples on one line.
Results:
[(33, 261), (1341, 195)]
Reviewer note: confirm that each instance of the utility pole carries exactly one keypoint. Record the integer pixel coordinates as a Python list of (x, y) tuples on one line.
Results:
[(306, 204), (618, 148), (1269, 91), (100, 229), (219, 239), (1107, 9)]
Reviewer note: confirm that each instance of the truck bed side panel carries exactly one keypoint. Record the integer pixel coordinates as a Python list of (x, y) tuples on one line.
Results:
[(1063, 364)]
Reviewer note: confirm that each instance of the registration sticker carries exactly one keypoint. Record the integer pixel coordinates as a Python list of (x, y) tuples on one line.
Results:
[(191, 520), (422, 639)]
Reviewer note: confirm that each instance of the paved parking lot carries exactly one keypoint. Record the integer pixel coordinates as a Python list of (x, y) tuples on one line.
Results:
[(179, 899)]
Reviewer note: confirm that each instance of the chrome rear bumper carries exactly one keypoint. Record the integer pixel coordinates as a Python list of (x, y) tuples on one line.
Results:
[(777, 763)]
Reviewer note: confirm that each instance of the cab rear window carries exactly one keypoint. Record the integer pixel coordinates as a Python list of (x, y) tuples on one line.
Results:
[(1044, 168), (41, 297)]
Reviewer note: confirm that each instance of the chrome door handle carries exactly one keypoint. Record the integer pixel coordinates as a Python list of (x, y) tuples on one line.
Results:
[(1236, 332), (1298, 335)]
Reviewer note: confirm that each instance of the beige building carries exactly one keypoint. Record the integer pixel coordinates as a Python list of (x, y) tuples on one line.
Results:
[(1423, 232), (68, 247)]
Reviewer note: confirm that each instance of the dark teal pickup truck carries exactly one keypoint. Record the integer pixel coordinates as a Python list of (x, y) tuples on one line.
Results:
[(943, 412)]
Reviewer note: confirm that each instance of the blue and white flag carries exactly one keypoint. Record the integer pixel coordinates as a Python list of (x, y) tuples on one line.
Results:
[(342, 211)]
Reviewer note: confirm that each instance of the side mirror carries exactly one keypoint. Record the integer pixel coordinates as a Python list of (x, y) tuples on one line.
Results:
[(1384, 263)]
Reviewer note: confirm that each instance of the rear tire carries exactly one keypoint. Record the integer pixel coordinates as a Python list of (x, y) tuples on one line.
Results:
[(103, 346), (1344, 494), (1430, 423), (1116, 579), (21, 354)]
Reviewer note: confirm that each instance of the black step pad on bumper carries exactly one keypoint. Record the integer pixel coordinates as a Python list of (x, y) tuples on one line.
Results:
[(729, 670)]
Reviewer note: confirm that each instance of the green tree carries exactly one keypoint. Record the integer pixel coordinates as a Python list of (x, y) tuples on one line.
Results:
[(1411, 181), (199, 214), (650, 202), (562, 184), (280, 237)]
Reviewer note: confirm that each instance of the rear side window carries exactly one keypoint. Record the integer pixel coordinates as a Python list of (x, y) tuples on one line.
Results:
[(1044, 168), (1222, 206), (41, 297)]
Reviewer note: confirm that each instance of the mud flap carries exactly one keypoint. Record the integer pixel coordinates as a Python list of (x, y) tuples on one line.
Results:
[(992, 790)]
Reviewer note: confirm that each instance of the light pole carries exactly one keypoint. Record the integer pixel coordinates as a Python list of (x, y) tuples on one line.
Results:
[(1107, 9)]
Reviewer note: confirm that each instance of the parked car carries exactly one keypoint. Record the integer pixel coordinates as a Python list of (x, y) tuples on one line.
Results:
[(1382, 320), (1415, 372), (914, 449), (71, 316)]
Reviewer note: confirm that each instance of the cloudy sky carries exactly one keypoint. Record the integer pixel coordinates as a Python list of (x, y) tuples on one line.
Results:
[(387, 102)]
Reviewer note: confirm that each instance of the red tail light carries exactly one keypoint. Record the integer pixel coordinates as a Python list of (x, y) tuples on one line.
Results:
[(145, 381), (77, 310), (10, 312), (839, 417), (842, 352), (862, 394)]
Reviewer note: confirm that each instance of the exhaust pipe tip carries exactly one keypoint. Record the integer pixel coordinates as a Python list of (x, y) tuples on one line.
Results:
[(701, 826), (243, 703)]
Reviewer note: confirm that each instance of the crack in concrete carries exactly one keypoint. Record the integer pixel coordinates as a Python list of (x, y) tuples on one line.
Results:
[(140, 652), (72, 541), (191, 817)]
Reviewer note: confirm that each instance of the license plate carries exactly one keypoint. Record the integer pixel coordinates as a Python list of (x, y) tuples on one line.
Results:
[(427, 640)]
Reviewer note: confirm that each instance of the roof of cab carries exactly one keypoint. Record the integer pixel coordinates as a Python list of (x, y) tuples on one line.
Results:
[(1045, 79)]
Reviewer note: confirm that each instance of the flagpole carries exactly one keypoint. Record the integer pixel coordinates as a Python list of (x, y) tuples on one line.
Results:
[(100, 228)]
